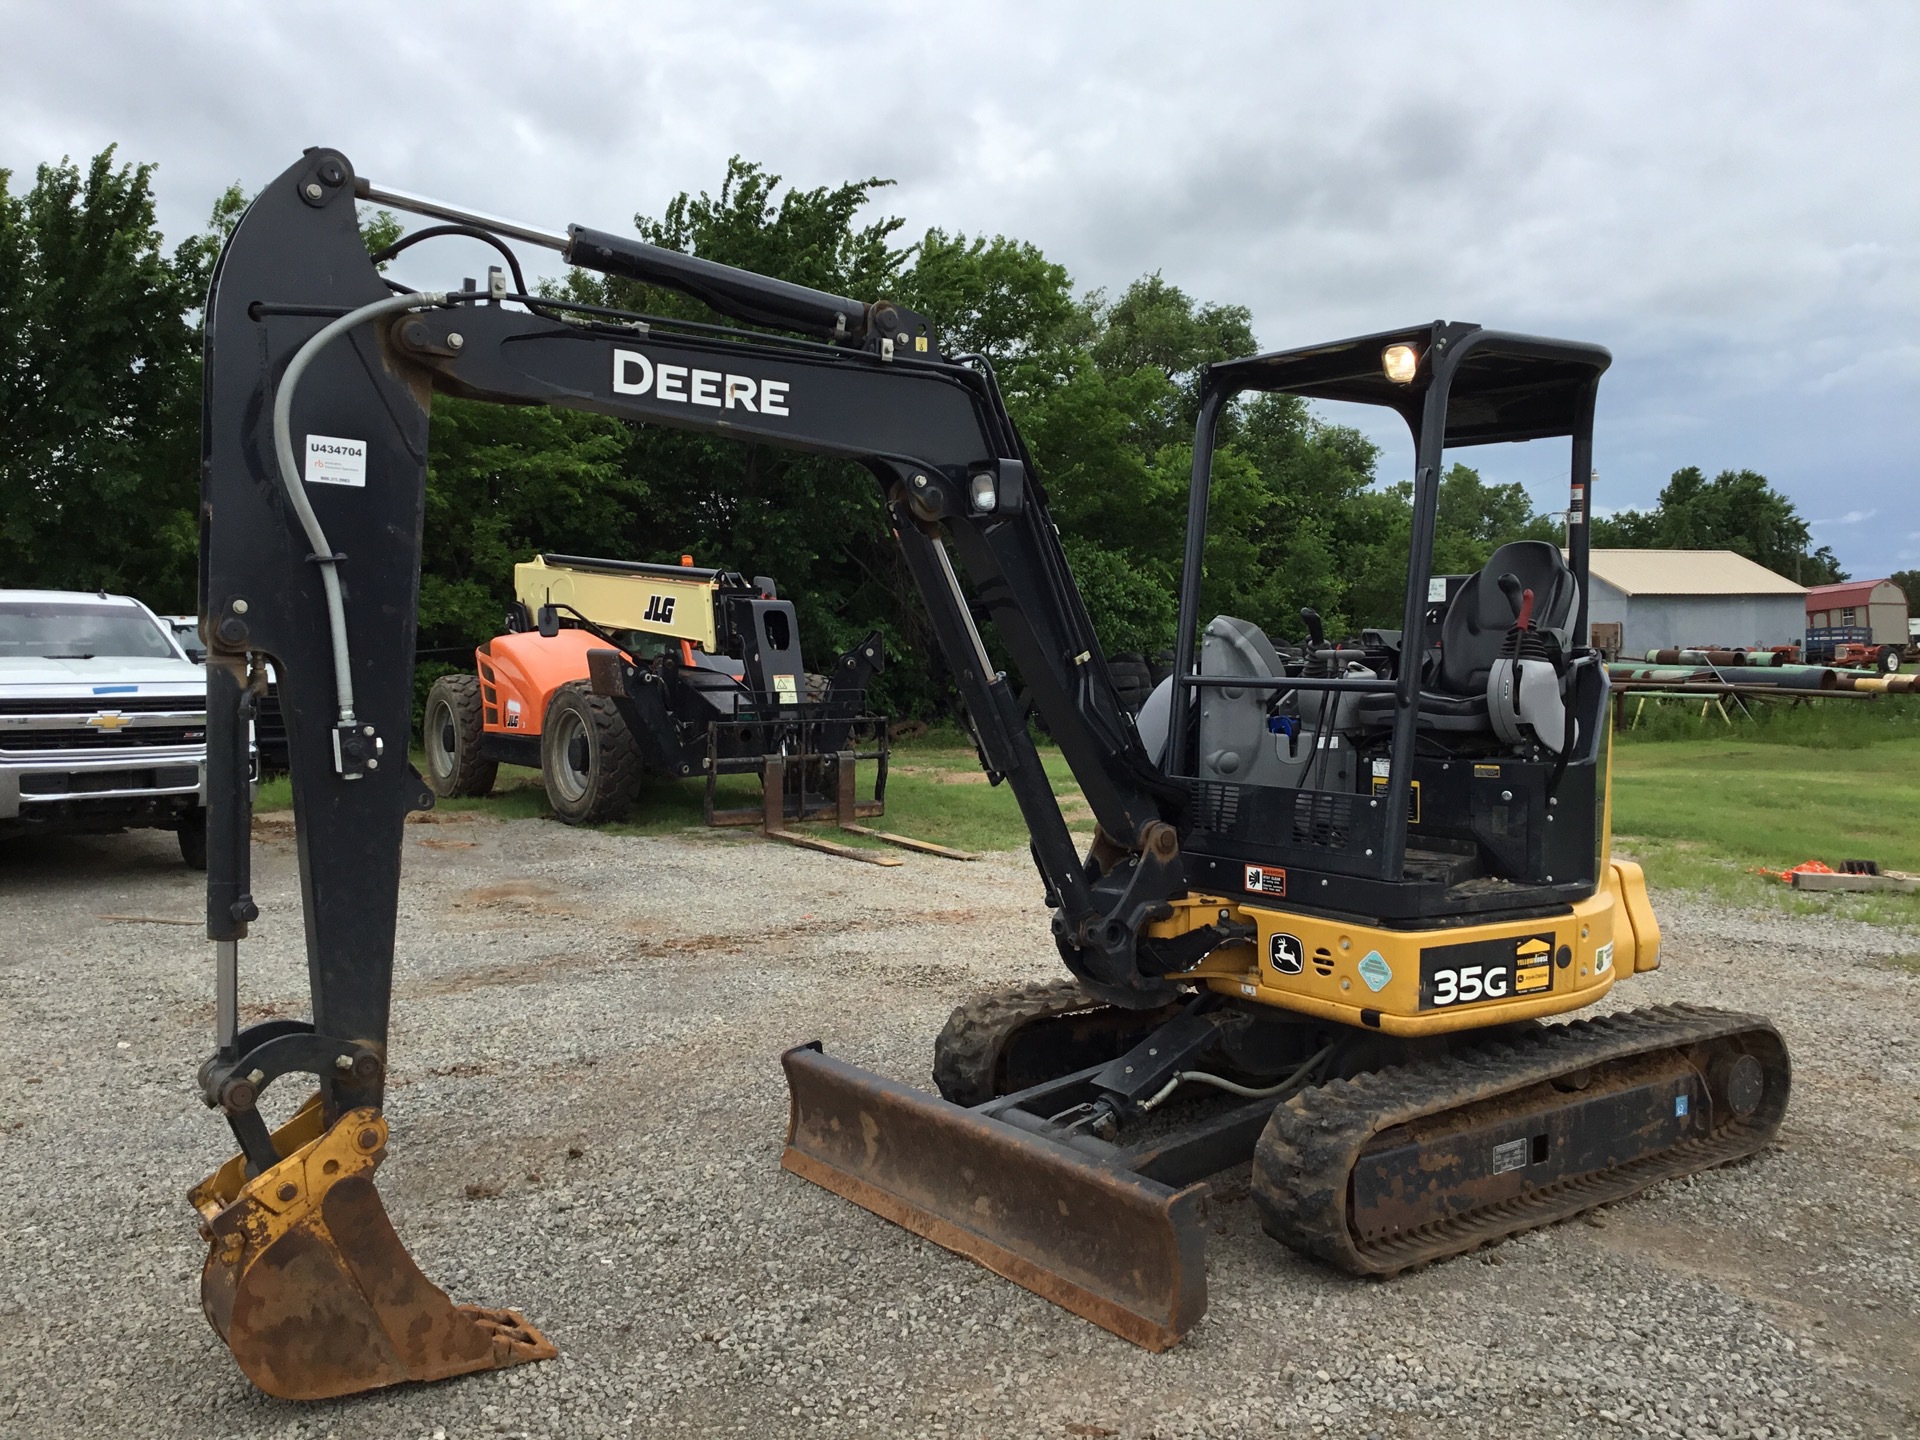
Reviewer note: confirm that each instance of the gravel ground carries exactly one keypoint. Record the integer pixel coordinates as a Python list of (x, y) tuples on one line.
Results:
[(588, 1115)]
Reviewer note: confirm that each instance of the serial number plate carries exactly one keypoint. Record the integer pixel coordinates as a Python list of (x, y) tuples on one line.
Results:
[(1482, 970)]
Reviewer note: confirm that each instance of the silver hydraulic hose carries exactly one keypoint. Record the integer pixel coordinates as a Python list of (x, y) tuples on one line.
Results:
[(296, 487)]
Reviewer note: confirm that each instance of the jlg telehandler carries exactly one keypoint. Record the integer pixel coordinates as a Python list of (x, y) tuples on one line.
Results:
[(610, 669), (1328, 906)]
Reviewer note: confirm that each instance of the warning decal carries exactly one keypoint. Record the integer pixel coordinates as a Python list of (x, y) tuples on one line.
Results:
[(1266, 880)]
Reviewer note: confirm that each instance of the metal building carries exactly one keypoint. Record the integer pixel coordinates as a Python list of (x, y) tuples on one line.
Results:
[(1880, 605), (1645, 600)]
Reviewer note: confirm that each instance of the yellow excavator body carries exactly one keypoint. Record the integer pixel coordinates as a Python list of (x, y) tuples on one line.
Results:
[(1428, 982)]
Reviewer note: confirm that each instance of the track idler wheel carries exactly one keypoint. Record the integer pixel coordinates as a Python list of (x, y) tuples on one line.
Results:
[(311, 1288)]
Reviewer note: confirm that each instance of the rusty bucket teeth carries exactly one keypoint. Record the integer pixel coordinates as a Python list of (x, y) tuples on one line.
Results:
[(1114, 1247), (311, 1288)]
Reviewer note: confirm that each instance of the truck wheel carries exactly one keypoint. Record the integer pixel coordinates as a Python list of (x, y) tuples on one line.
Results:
[(454, 733), (1890, 660), (193, 839), (588, 758)]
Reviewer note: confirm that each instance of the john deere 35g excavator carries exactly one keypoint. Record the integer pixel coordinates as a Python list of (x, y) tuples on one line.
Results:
[(1329, 902)]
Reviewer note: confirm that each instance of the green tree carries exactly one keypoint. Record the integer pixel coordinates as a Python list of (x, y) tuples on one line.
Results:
[(1316, 528), (1736, 510), (99, 385), (1909, 583), (1157, 326), (1474, 519), (504, 482)]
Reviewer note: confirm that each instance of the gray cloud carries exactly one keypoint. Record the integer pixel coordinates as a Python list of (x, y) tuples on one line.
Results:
[(1720, 192)]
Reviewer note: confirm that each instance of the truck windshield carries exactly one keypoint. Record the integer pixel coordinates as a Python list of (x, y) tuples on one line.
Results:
[(68, 630)]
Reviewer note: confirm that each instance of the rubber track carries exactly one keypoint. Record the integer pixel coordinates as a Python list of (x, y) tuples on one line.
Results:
[(1307, 1153), (966, 1056)]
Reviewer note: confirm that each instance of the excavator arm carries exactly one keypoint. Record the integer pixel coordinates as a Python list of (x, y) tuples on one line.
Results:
[(319, 384)]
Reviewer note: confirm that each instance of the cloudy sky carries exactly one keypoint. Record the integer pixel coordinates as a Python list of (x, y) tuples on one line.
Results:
[(1724, 194)]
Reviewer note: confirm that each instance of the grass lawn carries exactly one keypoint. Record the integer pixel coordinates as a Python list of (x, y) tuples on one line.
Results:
[(1703, 813), (1702, 805)]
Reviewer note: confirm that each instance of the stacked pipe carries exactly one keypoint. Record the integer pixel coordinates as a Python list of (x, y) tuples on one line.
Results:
[(1720, 659), (1881, 684), (1779, 677)]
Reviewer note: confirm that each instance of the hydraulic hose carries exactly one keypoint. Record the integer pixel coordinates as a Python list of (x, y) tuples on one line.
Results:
[(1220, 1082), (296, 488)]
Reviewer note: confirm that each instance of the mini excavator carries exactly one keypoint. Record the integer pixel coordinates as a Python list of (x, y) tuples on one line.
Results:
[(1332, 900)]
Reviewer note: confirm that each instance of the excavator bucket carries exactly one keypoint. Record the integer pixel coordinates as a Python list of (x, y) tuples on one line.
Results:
[(311, 1288), (1114, 1247)]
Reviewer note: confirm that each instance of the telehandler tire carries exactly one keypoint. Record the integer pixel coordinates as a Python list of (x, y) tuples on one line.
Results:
[(588, 757), (453, 732)]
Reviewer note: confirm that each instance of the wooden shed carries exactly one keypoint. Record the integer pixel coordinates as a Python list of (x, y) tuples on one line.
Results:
[(1880, 605)]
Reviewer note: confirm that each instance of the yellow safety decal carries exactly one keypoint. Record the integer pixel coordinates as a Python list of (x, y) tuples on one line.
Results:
[(1413, 809)]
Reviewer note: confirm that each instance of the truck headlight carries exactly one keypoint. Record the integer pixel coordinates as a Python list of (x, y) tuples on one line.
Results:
[(981, 489)]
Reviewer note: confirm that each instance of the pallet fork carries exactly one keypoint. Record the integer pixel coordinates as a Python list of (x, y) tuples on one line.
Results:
[(788, 799)]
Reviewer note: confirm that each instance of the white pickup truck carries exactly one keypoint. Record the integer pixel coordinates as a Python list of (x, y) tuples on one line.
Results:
[(103, 722)]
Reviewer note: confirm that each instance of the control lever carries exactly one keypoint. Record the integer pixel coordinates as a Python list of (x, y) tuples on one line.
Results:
[(1520, 600), (1316, 629), (1510, 587)]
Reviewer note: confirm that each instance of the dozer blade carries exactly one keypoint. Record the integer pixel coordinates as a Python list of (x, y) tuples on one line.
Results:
[(1114, 1247), (311, 1288)]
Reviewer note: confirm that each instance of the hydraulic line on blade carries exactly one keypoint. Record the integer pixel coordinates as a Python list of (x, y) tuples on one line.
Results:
[(1103, 1115), (1219, 1082)]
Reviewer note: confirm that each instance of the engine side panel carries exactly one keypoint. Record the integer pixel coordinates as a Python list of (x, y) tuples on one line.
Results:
[(519, 673)]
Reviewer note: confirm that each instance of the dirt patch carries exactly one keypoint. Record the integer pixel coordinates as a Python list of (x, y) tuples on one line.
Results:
[(528, 897)]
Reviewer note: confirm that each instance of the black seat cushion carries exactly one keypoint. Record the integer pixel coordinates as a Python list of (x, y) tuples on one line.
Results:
[(1459, 713), (1480, 615)]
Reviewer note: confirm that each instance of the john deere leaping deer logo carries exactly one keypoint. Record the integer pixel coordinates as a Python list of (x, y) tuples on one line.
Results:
[(660, 609)]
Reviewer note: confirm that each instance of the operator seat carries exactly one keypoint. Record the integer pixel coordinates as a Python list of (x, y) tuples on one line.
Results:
[(1480, 615), (1476, 623)]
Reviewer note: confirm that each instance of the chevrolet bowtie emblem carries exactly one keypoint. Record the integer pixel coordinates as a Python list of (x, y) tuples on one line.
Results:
[(109, 720)]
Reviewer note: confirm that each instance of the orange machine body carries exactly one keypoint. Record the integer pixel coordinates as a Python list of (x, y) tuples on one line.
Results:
[(520, 672)]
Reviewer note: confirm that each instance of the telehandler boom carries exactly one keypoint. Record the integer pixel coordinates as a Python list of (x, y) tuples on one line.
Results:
[(1328, 901)]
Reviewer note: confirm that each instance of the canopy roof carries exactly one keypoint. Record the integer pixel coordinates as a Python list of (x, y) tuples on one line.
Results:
[(1509, 387)]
